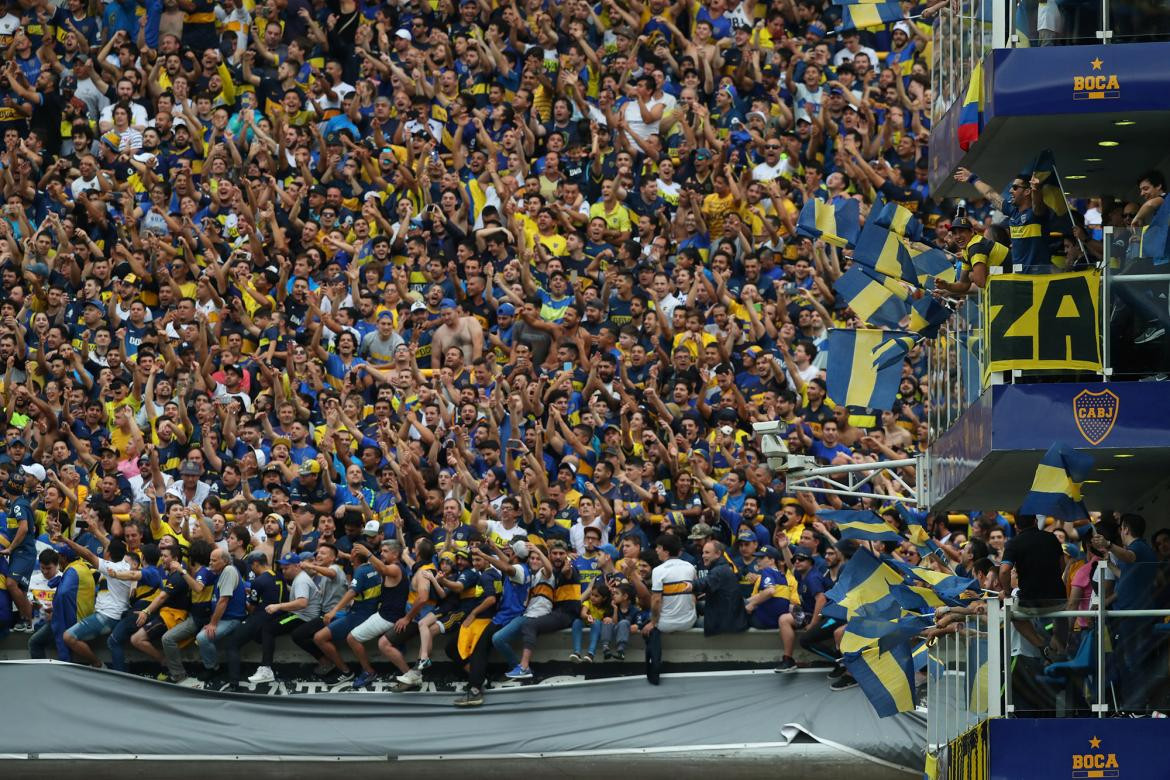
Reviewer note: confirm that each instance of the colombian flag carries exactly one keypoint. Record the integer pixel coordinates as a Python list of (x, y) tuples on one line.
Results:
[(971, 114)]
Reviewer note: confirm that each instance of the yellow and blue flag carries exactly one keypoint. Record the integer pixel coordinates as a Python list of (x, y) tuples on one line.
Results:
[(875, 298), (886, 678), (837, 223), (861, 525), (864, 583), (865, 367), (931, 262), (898, 220), (862, 16), (882, 250), (1044, 169), (1056, 488), (861, 633), (926, 316)]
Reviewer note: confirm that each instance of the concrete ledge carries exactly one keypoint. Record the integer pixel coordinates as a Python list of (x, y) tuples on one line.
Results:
[(752, 647)]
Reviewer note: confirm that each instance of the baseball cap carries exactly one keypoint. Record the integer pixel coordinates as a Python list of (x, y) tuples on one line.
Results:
[(418, 306), (506, 310), (801, 552), (700, 531), (288, 559), (769, 551), (99, 305), (404, 35), (371, 528), (190, 469), (961, 223), (609, 550), (463, 552), (385, 314), (745, 535), (703, 154), (35, 470), (310, 467), (446, 303)]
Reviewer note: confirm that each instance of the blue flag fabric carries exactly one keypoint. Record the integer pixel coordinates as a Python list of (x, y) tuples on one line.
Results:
[(865, 366), (1056, 487)]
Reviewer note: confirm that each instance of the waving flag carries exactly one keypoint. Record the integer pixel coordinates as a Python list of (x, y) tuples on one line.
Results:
[(887, 679), (899, 220), (927, 315), (876, 299), (861, 633), (865, 581), (1056, 488), (865, 366), (881, 249), (837, 223), (863, 525), (862, 16), (971, 114), (930, 262)]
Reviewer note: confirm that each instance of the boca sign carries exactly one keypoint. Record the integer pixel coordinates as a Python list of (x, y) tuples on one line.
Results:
[(1096, 85)]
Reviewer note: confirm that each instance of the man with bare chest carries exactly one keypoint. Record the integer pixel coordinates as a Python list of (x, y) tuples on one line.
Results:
[(457, 330)]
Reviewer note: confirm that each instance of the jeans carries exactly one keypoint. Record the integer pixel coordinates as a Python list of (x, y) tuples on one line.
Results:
[(170, 645), (653, 656), (503, 638), (41, 640), (118, 639), (618, 632), (208, 649), (578, 635)]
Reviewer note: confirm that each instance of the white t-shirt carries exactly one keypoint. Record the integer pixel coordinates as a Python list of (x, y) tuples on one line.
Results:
[(40, 593), (539, 606), (577, 534), (678, 602), (501, 535), (633, 115), (114, 598), (765, 172)]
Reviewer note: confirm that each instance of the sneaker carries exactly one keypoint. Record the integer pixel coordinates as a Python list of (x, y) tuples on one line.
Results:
[(605, 652), (575, 658), (843, 683), (473, 698), (423, 664), (838, 672), (336, 677), (587, 658), (519, 672), (190, 682), (786, 665), (619, 655), (1149, 334), (363, 680), (263, 675), (413, 677)]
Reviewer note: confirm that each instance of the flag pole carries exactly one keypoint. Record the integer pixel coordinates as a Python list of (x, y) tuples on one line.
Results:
[(1067, 205)]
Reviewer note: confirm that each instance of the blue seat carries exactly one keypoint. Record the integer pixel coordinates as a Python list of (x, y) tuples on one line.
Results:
[(1083, 662)]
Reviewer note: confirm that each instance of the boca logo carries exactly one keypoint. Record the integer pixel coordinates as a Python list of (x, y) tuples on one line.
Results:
[(1095, 764), (1095, 414), (1096, 85)]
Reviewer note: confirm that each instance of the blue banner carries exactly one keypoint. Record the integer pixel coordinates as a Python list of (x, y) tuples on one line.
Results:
[(1078, 748), (1079, 79)]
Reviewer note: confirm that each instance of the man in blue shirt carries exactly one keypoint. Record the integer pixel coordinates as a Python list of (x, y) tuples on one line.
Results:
[(810, 587), (21, 525)]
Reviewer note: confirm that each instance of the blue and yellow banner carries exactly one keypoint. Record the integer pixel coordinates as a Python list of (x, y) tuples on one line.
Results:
[(865, 366), (875, 298), (1056, 487)]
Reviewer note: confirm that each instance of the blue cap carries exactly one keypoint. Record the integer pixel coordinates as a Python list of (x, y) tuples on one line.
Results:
[(506, 310), (99, 305), (288, 559), (306, 556), (446, 303), (769, 551), (609, 550), (385, 314)]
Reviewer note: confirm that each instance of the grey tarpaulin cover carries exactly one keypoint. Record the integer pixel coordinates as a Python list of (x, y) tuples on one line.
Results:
[(85, 711)]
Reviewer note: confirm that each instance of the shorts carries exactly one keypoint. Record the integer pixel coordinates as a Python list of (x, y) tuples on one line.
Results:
[(371, 628), (343, 625), (94, 626)]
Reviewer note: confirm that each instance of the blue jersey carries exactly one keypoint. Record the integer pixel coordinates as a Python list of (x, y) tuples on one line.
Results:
[(24, 555), (367, 590), (514, 597)]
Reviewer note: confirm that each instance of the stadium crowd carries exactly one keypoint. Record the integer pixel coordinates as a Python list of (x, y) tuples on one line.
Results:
[(380, 323)]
